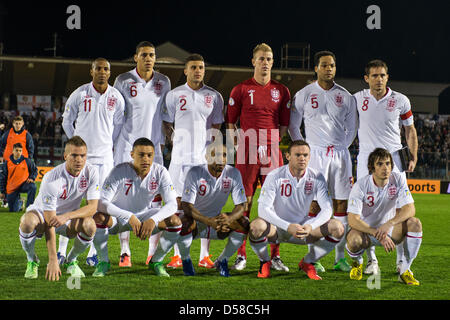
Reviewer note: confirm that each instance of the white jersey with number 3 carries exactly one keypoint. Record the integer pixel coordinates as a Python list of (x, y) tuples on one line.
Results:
[(209, 194), (377, 205), (62, 192), (193, 112), (98, 119), (379, 121), (284, 200)]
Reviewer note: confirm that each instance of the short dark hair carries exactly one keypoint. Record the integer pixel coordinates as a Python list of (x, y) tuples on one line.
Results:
[(321, 54), (17, 118), (144, 44), (76, 141), (17, 145), (377, 63), (297, 143), (194, 57), (378, 153), (143, 142)]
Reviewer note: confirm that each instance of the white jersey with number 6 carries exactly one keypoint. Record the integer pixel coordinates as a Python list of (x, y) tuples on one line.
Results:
[(284, 200), (209, 194), (143, 107), (377, 205), (98, 119)]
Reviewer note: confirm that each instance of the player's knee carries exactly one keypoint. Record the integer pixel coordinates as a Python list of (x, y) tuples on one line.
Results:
[(89, 227), (314, 207), (354, 241), (414, 224), (336, 228), (257, 228), (28, 223)]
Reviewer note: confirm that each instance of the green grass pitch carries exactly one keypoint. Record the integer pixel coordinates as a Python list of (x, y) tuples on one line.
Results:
[(137, 282)]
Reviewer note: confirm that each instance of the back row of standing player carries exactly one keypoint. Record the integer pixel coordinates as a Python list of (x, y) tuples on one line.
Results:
[(141, 104)]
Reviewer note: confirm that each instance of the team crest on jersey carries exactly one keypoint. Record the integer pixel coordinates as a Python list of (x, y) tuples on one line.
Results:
[(157, 87), (83, 184), (209, 101), (275, 93), (153, 184), (231, 102), (226, 185), (339, 99), (309, 185), (392, 192), (111, 102), (390, 105)]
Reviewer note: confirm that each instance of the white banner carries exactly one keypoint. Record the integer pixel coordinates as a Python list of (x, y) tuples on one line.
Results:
[(30, 103)]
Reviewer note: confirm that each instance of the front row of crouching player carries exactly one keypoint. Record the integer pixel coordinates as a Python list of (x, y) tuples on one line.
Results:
[(124, 204)]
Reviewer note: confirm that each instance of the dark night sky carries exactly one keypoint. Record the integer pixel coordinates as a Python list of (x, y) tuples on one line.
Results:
[(414, 38)]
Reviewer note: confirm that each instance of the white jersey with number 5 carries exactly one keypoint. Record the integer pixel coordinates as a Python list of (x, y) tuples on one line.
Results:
[(62, 192), (330, 116), (284, 200), (209, 194), (132, 195), (98, 119), (377, 205), (379, 121), (143, 107), (193, 112)]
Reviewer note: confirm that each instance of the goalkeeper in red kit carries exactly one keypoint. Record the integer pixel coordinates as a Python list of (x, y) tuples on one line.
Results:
[(262, 107)]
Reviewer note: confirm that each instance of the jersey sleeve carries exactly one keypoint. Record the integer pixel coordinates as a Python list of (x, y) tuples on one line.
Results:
[(70, 114), (217, 113), (324, 200), (285, 108), (119, 116), (296, 117), (49, 194), (404, 195), (169, 196), (351, 121), (234, 105), (238, 191), (93, 191), (169, 108), (406, 114), (190, 187), (356, 200), (266, 209)]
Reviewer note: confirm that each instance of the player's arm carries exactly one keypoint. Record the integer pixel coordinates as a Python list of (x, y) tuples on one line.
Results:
[(225, 221), (70, 114), (192, 212), (355, 222), (354, 210), (53, 271), (84, 212), (296, 118), (285, 113), (119, 117), (351, 122), (412, 142)]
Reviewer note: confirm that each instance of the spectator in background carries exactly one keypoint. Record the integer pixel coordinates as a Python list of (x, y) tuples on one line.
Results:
[(17, 134), (17, 175)]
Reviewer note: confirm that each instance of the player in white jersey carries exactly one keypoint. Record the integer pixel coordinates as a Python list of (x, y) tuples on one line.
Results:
[(56, 210), (283, 206), (126, 205), (206, 191), (373, 217), (144, 90), (329, 114), (381, 110), (94, 112), (190, 110)]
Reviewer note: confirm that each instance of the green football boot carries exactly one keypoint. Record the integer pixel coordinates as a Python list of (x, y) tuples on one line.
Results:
[(74, 270), (101, 269), (319, 267), (342, 265), (159, 269), (32, 270)]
